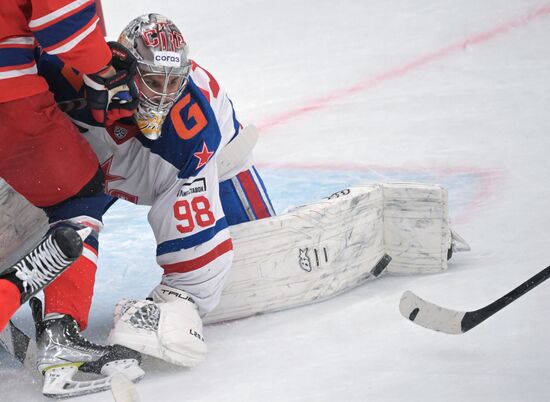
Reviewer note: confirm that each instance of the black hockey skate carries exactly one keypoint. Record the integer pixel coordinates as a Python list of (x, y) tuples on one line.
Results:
[(59, 248), (63, 353)]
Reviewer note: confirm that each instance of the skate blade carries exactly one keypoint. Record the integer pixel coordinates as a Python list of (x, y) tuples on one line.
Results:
[(59, 382)]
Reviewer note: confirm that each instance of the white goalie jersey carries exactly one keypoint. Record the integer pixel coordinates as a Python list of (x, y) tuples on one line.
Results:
[(177, 175)]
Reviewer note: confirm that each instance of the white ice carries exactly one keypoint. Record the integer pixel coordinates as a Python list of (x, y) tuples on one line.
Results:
[(453, 92)]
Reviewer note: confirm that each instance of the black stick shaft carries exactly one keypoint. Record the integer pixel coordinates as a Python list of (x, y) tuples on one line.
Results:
[(72, 105), (473, 318)]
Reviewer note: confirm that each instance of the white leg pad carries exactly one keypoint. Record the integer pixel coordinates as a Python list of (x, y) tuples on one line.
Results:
[(308, 254), (136, 326), (180, 327), (169, 327), (416, 227), (319, 250)]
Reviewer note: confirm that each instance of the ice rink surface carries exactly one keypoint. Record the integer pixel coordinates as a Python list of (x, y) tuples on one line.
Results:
[(345, 92)]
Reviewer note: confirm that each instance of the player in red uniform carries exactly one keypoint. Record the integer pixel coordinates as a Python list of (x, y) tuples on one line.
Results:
[(42, 154)]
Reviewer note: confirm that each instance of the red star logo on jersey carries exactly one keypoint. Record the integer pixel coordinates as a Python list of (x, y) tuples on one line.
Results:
[(106, 166), (203, 156)]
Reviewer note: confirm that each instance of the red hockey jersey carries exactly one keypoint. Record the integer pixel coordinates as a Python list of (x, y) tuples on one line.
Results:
[(67, 28)]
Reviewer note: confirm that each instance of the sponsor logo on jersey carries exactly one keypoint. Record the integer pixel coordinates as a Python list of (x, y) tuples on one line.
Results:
[(120, 132), (196, 186), (167, 59)]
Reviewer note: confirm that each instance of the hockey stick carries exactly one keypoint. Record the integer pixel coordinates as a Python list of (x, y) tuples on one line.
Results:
[(72, 105), (437, 318), (17, 344), (123, 389)]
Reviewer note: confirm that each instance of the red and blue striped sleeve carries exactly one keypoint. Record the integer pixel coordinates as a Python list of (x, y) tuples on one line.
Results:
[(70, 29), (17, 57)]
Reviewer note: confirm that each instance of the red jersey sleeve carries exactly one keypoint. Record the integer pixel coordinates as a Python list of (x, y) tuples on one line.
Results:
[(70, 29)]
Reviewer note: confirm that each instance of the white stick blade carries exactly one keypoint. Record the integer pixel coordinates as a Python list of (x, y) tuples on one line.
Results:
[(429, 315), (123, 389)]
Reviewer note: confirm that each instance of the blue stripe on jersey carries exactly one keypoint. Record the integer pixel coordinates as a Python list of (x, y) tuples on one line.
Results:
[(16, 56), (232, 205), (236, 123), (63, 29), (92, 241), (196, 239), (95, 206), (180, 152)]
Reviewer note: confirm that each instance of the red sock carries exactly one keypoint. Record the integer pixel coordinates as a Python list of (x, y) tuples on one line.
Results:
[(72, 292), (10, 298)]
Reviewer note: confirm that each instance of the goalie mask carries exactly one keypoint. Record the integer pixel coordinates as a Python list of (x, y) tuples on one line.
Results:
[(163, 68)]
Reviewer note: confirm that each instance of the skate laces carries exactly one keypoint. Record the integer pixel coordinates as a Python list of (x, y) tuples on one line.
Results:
[(41, 265)]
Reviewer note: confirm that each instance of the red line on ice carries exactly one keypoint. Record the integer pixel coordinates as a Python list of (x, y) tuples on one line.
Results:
[(400, 71)]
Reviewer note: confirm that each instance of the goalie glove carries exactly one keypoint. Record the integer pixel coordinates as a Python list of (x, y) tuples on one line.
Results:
[(112, 93), (168, 327)]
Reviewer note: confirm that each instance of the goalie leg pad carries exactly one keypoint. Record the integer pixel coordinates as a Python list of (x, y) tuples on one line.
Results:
[(319, 250), (135, 326), (169, 327), (180, 327), (416, 227)]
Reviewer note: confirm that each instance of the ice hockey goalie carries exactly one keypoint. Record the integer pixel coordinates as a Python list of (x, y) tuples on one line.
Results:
[(311, 253)]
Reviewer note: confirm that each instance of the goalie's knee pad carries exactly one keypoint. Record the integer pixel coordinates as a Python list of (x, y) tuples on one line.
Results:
[(169, 327)]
